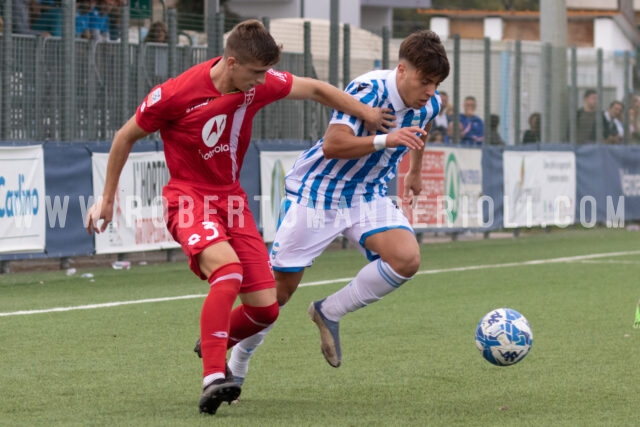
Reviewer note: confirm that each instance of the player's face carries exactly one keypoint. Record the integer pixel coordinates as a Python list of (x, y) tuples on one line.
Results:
[(414, 87), (248, 75)]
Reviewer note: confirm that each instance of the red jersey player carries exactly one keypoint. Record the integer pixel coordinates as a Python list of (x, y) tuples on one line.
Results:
[(204, 116)]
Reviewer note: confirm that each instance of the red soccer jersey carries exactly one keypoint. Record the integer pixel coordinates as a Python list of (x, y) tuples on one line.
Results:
[(205, 133)]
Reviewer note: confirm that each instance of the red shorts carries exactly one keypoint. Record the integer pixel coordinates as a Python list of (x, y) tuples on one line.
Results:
[(199, 216)]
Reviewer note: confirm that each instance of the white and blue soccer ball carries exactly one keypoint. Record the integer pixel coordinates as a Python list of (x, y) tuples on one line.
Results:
[(504, 337)]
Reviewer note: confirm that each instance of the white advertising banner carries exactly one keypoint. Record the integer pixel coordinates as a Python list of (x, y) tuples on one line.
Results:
[(274, 165), (539, 188), (138, 223), (451, 189), (22, 199)]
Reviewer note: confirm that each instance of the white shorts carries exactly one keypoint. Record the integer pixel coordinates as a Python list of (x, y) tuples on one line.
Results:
[(304, 233)]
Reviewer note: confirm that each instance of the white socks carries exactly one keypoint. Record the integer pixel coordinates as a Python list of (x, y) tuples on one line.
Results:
[(374, 281), (241, 353)]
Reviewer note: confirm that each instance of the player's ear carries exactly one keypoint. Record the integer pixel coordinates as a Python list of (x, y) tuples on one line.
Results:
[(402, 68), (231, 61)]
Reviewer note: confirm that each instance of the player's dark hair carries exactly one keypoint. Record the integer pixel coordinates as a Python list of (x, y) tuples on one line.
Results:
[(249, 41), (424, 50)]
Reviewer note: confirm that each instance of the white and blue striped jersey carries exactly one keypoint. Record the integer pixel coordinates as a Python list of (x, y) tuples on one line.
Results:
[(323, 183)]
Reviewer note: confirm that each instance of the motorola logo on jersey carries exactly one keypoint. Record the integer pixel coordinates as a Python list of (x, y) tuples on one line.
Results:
[(213, 129), (211, 133)]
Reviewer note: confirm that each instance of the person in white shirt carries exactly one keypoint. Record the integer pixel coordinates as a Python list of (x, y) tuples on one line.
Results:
[(441, 121)]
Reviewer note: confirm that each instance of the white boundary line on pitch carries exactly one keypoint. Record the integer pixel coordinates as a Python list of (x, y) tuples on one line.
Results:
[(580, 258), (609, 261)]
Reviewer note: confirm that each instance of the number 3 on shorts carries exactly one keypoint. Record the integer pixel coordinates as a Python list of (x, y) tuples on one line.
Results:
[(207, 225)]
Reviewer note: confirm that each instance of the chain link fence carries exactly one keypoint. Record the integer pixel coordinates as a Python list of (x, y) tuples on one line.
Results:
[(62, 88)]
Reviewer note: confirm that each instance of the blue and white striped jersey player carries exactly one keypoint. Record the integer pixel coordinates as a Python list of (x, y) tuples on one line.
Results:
[(339, 186)]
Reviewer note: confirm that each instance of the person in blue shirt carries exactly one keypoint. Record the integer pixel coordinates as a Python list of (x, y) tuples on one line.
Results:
[(84, 12), (471, 126), (49, 18), (99, 21)]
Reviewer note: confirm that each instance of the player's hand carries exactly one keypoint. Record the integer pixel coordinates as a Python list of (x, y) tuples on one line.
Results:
[(409, 137), (412, 187), (380, 120), (99, 216)]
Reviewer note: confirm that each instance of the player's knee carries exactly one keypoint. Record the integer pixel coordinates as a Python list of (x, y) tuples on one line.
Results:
[(284, 295), (286, 285), (263, 315), (405, 264)]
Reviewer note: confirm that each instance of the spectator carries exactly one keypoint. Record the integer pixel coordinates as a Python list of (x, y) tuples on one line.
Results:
[(532, 135), (449, 113), (441, 121), (115, 17), (21, 21), (99, 22), (634, 118), (586, 117), (1, 25), (84, 11), (436, 136), (613, 129), (496, 139), (49, 19), (158, 33), (471, 126)]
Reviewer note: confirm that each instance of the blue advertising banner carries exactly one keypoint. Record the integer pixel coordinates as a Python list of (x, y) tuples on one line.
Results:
[(608, 184)]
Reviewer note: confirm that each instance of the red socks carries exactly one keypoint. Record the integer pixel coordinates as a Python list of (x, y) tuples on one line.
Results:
[(247, 320), (214, 319), (221, 328)]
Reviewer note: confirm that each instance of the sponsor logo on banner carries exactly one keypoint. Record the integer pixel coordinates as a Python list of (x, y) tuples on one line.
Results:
[(451, 189), (273, 167), (277, 188), (539, 188), (452, 186), (138, 221), (22, 200), (630, 183)]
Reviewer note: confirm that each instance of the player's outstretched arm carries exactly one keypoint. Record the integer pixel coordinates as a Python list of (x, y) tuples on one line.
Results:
[(340, 142), (102, 209), (375, 119)]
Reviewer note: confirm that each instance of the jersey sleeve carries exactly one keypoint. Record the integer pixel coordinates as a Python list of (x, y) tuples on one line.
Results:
[(277, 86), (157, 108), (365, 92)]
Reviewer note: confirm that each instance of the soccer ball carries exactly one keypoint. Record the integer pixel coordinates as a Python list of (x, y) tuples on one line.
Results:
[(504, 337)]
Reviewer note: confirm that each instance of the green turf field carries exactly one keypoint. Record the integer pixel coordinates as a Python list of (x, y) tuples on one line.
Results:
[(408, 360)]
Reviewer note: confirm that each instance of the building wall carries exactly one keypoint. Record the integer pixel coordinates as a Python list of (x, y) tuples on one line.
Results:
[(260, 9), (370, 15), (579, 32), (374, 18), (467, 28)]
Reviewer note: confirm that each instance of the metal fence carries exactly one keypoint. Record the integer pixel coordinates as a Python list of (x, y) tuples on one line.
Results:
[(68, 89), (51, 92)]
